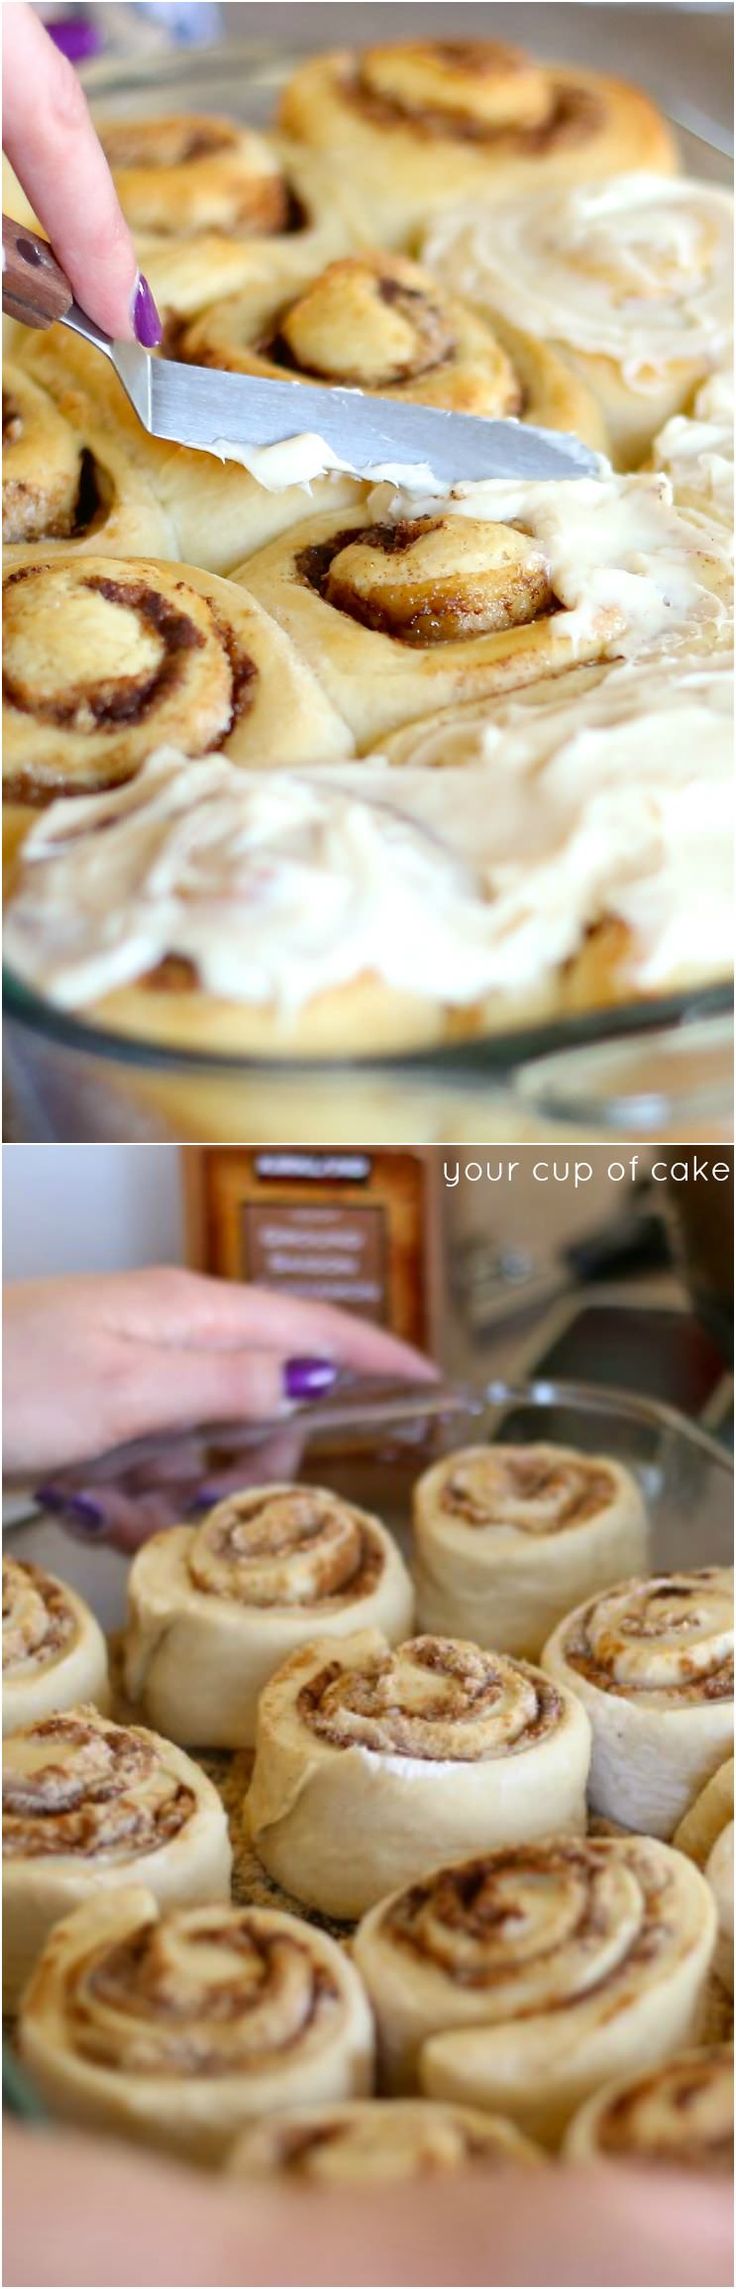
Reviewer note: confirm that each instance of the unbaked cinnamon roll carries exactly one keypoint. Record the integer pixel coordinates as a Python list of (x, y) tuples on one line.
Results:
[(89, 1806), (630, 281), (719, 1874), (506, 1538), (376, 2142), (376, 322), (421, 123), (215, 1608), (212, 204), (54, 1652), (68, 484), (107, 661), (178, 2028), (681, 2114), (652, 1662), (432, 1750), (523, 1980), (413, 604), (710, 1812)]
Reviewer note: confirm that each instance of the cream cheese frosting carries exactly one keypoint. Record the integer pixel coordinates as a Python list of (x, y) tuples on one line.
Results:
[(695, 450), (450, 883), (637, 268)]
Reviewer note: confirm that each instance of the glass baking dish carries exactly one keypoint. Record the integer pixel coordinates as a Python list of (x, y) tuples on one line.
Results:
[(72, 1082), (371, 1450)]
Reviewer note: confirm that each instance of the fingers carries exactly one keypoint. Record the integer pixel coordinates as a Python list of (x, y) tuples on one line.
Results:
[(191, 1307), (51, 143)]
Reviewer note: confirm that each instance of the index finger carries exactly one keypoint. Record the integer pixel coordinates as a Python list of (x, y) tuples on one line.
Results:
[(51, 143)]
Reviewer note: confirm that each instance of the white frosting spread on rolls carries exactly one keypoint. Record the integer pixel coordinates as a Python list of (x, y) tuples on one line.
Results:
[(450, 884), (696, 451), (637, 268)]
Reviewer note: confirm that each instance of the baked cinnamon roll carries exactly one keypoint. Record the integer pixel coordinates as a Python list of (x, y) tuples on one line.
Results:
[(215, 1608), (178, 2028), (652, 1662), (682, 2114), (434, 1749), (710, 1812), (107, 661), (695, 450), (506, 1537), (212, 204), (523, 1980), (421, 123), (410, 605), (89, 1806), (630, 281), (376, 322), (68, 484), (376, 2142), (54, 1652)]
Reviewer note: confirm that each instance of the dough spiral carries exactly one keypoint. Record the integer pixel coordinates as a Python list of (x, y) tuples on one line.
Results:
[(507, 1537), (215, 1608), (85, 1803), (652, 1662), (522, 1980), (68, 483), (376, 2142), (179, 2027), (680, 2114), (54, 1652), (431, 1749)]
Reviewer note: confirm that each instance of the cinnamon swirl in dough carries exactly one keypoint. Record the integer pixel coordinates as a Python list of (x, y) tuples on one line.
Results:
[(412, 604), (54, 1652), (524, 1980), (416, 125), (105, 660), (376, 2142), (719, 1874), (212, 204), (376, 322), (70, 486), (629, 280), (652, 1662), (682, 2113), (415, 1755), (89, 1806), (177, 2028), (215, 1608), (505, 1539)]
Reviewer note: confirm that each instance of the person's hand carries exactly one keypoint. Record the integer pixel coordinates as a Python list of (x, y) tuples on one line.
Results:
[(92, 1363), (51, 143), (615, 2225)]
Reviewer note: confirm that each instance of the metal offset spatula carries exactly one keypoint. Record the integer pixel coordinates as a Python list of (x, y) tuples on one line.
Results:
[(196, 407)]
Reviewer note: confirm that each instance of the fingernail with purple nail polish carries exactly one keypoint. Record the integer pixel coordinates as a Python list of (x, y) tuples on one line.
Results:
[(146, 322), (309, 1378), (75, 1511)]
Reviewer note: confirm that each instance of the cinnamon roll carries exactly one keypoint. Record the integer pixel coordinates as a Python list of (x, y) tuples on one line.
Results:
[(374, 2142), (68, 486), (507, 1537), (695, 450), (630, 281), (177, 2028), (523, 1980), (89, 1806), (719, 1874), (212, 204), (421, 123), (374, 321), (105, 662), (682, 2113), (710, 1812), (413, 604), (652, 1662), (54, 1652), (434, 1749), (214, 1609)]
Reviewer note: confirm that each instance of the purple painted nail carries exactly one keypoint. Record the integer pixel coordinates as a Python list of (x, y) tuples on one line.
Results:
[(76, 39), (146, 321), (309, 1378), (75, 1511)]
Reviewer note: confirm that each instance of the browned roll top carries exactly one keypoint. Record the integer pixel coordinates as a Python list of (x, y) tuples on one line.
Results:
[(431, 580), (477, 91), (76, 1784), (191, 173)]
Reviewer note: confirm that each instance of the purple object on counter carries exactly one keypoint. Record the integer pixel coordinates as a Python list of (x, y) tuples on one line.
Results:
[(309, 1378), (77, 38)]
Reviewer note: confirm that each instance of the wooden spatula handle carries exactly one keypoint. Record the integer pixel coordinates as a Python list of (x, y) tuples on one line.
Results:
[(34, 288)]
